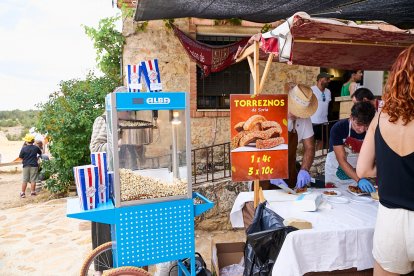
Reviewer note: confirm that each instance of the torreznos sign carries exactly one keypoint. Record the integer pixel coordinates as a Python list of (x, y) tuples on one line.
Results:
[(258, 137)]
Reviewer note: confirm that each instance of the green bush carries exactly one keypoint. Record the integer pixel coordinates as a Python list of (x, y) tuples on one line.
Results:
[(9, 123), (69, 114), (68, 117), (17, 117)]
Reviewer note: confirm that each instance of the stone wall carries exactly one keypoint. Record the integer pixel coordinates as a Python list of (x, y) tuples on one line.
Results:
[(178, 73), (223, 194), (157, 41)]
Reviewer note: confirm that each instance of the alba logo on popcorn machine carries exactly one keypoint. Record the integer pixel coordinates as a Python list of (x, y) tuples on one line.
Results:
[(258, 137)]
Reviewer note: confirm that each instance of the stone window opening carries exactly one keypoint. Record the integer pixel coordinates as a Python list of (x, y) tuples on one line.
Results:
[(213, 91)]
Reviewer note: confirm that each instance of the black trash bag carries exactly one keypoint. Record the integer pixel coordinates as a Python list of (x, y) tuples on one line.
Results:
[(265, 237)]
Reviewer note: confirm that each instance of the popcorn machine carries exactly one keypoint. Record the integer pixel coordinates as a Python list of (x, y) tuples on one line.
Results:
[(151, 207), (148, 147)]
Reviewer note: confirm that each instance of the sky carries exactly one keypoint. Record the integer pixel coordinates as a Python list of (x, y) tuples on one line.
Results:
[(42, 43)]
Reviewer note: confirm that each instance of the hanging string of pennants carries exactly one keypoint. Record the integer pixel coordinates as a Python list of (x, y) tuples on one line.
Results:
[(151, 74)]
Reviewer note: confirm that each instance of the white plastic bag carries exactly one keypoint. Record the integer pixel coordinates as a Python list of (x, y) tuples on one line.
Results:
[(233, 270), (163, 269)]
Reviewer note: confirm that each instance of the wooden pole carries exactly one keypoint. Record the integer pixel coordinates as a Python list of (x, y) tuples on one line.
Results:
[(266, 72), (256, 68), (251, 66), (256, 79), (258, 87)]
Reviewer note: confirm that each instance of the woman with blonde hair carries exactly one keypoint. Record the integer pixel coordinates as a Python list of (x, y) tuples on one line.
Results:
[(388, 154)]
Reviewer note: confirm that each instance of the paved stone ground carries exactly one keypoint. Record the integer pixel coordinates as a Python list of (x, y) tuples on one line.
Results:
[(38, 239)]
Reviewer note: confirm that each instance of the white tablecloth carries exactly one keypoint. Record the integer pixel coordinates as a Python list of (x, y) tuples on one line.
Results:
[(341, 237)]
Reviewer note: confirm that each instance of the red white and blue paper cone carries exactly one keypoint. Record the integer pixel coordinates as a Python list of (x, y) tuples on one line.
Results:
[(133, 76), (151, 74), (99, 159), (87, 183)]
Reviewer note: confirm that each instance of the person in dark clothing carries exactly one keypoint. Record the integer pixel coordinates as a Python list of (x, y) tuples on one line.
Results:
[(29, 154), (363, 95), (344, 144), (388, 154)]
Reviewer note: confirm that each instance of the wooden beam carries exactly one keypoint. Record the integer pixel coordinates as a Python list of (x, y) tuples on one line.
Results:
[(350, 42), (258, 87), (247, 52), (266, 71), (256, 68), (249, 59), (261, 195), (256, 198), (256, 78)]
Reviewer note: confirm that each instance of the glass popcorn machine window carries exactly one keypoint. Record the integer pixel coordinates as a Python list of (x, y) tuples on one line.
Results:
[(150, 150)]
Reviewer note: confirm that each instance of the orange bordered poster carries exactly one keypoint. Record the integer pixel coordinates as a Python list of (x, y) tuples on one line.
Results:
[(259, 149)]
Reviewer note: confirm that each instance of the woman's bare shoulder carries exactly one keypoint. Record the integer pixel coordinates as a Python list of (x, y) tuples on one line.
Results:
[(398, 136)]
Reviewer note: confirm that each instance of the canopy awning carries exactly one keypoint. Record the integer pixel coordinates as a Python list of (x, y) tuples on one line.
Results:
[(331, 43), (396, 12)]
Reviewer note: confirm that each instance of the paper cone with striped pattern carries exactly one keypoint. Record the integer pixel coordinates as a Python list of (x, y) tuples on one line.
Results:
[(87, 184)]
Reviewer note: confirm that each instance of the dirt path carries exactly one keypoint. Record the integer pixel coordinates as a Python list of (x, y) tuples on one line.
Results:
[(11, 178), (10, 185)]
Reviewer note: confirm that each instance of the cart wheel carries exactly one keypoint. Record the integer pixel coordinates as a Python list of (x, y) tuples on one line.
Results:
[(103, 253), (126, 271)]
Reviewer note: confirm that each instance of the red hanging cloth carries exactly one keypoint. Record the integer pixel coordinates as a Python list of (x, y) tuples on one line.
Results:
[(209, 58)]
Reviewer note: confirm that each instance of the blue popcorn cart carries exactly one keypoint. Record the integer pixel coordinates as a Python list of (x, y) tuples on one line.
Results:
[(152, 207)]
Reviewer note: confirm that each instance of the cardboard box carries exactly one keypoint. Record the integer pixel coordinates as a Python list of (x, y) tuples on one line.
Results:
[(225, 254)]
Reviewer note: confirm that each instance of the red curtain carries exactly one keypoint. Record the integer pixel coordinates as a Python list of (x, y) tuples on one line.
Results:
[(209, 58)]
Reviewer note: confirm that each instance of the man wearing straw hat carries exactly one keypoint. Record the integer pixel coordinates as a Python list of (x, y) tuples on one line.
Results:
[(29, 154), (302, 104)]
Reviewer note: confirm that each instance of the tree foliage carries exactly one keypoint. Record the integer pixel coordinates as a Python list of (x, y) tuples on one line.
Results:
[(18, 118), (67, 117), (108, 43)]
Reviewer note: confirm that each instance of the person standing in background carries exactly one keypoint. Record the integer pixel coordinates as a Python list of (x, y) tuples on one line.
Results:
[(320, 117), (351, 78), (388, 154), (29, 154), (302, 104), (363, 94)]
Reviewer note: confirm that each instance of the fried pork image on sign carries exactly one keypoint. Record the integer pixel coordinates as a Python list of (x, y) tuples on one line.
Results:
[(257, 133)]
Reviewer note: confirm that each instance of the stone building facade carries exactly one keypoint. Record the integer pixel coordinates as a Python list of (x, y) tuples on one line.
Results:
[(178, 72)]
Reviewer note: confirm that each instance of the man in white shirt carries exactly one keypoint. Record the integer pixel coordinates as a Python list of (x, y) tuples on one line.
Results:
[(301, 104), (320, 117)]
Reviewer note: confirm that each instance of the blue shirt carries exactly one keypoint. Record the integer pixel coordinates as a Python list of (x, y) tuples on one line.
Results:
[(340, 131)]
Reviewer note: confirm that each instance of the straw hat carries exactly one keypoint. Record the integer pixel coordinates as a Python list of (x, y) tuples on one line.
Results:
[(302, 102), (28, 138)]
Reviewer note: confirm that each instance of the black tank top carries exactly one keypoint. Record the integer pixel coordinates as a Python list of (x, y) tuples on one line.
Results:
[(395, 175)]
